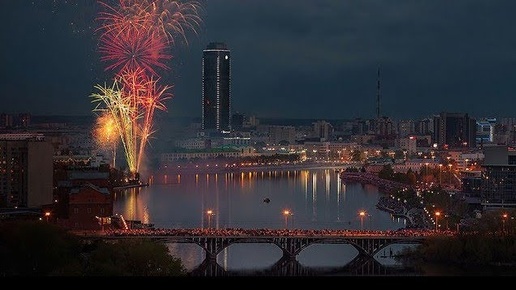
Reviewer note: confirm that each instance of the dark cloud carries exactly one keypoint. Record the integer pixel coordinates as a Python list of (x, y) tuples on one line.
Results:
[(295, 59)]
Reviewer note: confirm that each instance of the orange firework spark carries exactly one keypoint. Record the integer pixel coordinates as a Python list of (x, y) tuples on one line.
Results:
[(106, 132)]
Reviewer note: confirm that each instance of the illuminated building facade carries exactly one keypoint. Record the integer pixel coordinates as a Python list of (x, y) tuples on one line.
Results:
[(216, 87), (498, 187), (25, 170)]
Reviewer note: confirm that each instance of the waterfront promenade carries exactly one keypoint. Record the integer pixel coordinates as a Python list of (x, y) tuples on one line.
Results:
[(224, 167), (415, 217), (371, 178)]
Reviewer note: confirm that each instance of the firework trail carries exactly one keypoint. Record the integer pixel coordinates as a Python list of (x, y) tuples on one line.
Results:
[(134, 40), (112, 101)]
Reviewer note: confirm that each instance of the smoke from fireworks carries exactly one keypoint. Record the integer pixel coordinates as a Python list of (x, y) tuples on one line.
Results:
[(135, 36)]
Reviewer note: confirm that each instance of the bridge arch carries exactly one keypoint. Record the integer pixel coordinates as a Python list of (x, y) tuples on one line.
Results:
[(327, 255), (238, 256)]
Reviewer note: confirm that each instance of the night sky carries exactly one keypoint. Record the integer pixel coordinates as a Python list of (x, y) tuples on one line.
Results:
[(290, 59)]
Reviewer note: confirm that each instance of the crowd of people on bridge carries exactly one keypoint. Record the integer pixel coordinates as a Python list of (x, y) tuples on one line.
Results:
[(262, 232)]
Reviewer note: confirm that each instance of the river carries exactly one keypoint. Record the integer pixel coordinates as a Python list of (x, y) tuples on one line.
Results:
[(305, 199)]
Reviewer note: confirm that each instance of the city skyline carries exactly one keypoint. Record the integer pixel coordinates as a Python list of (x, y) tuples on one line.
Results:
[(317, 59)]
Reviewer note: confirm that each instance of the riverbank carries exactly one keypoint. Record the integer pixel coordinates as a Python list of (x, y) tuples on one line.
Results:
[(415, 216), (373, 179)]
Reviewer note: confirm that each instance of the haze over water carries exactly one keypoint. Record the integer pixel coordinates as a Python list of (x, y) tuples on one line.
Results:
[(316, 199)]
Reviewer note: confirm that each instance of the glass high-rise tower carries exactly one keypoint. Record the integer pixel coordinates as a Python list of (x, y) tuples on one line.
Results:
[(216, 87)]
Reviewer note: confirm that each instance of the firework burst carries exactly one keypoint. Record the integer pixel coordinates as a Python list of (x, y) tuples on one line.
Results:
[(133, 49), (134, 40), (173, 18)]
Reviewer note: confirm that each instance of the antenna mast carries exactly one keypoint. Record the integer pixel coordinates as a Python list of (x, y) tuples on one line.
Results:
[(378, 94)]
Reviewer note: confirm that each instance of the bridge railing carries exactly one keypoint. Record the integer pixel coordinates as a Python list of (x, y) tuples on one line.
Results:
[(271, 233)]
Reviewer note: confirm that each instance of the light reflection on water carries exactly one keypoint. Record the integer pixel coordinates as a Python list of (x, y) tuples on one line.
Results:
[(316, 198)]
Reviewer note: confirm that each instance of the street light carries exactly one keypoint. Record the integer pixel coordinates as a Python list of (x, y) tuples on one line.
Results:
[(210, 213), (362, 214), (440, 169), (504, 217), (450, 165), (437, 214), (47, 215), (286, 214)]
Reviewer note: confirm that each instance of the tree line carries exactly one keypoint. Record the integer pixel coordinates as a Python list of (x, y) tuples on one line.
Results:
[(36, 248)]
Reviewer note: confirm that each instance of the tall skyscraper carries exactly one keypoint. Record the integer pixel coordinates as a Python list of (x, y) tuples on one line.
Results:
[(216, 87)]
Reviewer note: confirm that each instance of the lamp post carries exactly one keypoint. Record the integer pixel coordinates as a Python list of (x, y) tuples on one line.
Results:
[(450, 179), (437, 214), (440, 169), (286, 214), (504, 217), (209, 213), (362, 215), (47, 215)]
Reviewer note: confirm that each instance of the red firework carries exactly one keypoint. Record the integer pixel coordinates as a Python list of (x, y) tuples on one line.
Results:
[(134, 85), (172, 17), (132, 49), (126, 16), (144, 91)]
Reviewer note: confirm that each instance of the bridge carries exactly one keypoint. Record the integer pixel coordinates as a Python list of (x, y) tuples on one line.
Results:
[(290, 241)]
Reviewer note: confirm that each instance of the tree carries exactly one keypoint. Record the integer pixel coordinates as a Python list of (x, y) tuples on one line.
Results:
[(36, 248), (411, 177), (139, 257), (387, 172)]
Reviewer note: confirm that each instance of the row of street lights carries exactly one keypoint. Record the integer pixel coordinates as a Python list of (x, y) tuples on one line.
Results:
[(437, 214), (441, 169), (288, 213)]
